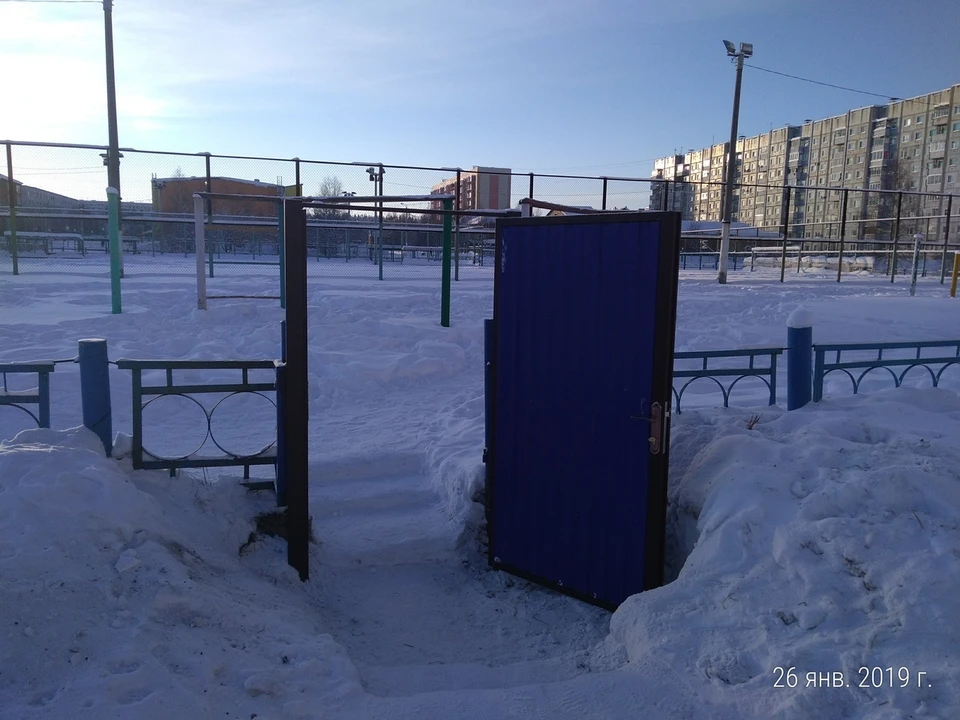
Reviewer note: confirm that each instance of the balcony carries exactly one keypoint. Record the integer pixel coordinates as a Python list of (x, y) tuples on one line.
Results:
[(934, 180)]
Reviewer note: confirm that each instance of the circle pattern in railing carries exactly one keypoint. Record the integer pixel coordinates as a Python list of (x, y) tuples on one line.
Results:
[(230, 434)]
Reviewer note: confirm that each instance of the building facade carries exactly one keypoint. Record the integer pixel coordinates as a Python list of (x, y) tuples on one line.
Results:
[(175, 195), (481, 188), (910, 145)]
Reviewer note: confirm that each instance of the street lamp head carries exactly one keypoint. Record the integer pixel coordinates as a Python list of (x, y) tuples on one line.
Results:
[(746, 49), (731, 50)]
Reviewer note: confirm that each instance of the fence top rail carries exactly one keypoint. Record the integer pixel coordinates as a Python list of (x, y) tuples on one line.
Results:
[(746, 352), (508, 212), (40, 366), (832, 347), (128, 364), (349, 199), (892, 362), (782, 188)]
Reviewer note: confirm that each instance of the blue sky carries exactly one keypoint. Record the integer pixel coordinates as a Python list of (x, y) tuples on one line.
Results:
[(579, 86)]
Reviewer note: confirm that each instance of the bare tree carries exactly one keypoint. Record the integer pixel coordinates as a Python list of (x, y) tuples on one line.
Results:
[(330, 186)]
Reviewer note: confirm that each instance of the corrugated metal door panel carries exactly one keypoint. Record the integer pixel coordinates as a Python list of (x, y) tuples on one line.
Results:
[(574, 336)]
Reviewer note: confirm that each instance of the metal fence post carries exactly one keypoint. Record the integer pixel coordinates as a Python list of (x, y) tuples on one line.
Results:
[(603, 205), (896, 237), (379, 187), (530, 195), (209, 221), (946, 239), (12, 209), (200, 240), (456, 232), (843, 230), (487, 386), (799, 359), (917, 239), (113, 213), (296, 401), (786, 231), (95, 390), (445, 276), (281, 250)]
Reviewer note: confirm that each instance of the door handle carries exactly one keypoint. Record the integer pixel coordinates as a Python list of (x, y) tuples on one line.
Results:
[(656, 427)]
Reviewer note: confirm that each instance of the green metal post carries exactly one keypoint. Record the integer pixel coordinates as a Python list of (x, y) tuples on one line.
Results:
[(447, 252), (12, 204), (113, 221), (281, 252)]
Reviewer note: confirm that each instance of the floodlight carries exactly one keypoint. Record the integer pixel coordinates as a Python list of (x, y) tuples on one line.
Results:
[(746, 49), (731, 50)]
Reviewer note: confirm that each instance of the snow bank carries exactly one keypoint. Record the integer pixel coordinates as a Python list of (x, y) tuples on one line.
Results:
[(826, 540), (126, 597)]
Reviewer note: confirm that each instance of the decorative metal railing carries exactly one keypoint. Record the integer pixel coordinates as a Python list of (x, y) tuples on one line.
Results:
[(264, 456), (40, 396), (750, 368), (944, 354)]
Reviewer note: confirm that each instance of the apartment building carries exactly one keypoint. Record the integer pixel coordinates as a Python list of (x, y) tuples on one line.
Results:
[(481, 188), (911, 145), (675, 192)]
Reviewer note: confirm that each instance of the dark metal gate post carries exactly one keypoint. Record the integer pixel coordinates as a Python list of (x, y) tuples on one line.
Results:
[(896, 237), (12, 205), (843, 230), (946, 239), (296, 421), (786, 231)]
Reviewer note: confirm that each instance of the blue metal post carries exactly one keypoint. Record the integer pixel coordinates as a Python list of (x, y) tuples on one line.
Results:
[(95, 390), (799, 360), (487, 382)]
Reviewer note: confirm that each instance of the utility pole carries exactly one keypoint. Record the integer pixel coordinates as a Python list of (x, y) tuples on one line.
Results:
[(112, 160), (746, 50)]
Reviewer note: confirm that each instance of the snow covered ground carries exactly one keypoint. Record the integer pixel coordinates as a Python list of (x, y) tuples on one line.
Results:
[(821, 541)]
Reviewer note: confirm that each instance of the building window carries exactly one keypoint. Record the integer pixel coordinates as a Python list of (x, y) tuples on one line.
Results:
[(919, 119), (907, 122)]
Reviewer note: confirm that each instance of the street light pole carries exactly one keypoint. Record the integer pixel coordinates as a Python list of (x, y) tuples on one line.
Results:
[(746, 50)]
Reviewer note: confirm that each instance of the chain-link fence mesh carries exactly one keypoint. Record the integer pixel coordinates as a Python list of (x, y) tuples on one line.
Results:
[(60, 219)]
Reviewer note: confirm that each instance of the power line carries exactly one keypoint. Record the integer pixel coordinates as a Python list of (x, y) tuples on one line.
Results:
[(818, 82), (65, 2)]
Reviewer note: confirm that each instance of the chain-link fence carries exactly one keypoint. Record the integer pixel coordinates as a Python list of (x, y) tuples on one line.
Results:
[(53, 216)]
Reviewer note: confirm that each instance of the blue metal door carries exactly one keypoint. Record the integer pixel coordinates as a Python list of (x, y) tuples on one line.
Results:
[(582, 349)]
